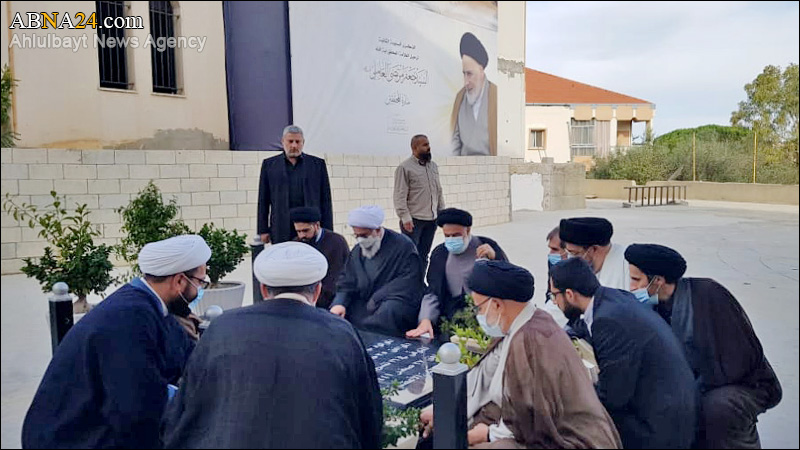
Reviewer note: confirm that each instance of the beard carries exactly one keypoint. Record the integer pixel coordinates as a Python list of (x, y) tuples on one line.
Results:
[(424, 158), (474, 94), (370, 252), (571, 313), (177, 306)]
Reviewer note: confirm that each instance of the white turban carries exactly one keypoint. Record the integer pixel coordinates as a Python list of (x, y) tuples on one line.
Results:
[(290, 264), (174, 255), (366, 217)]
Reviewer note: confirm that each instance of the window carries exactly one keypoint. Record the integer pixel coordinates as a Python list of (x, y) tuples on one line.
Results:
[(162, 27), (581, 138), (536, 140), (112, 61)]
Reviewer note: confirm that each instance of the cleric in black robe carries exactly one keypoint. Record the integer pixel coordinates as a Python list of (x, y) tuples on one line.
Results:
[(290, 180), (644, 380), (381, 286), (735, 380), (280, 373), (106, 386), (451, 264), (332, 245)]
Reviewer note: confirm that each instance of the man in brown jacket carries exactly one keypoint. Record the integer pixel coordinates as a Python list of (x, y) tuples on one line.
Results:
[(418, 196), (531, 389)]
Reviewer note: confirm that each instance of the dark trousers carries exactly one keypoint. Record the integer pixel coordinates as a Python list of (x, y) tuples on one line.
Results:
[(728, 417), (422, 235)]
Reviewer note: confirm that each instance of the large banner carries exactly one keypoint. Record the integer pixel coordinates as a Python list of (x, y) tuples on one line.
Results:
[(367, 76)]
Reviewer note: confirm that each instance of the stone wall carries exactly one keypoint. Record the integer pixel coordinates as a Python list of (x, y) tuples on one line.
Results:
[(220, 187), (562, 185)]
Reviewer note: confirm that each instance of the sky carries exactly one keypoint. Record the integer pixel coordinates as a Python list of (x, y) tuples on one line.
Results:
[(692, 59)]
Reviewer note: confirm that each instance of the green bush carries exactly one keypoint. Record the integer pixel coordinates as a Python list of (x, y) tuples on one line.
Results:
[(227, 251), (397, 423), (7, 83), (71, 255), (147, 219), (724, 155)]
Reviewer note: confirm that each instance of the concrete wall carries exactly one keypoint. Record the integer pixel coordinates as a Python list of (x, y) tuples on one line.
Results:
[(59, 103), (511, 79), (220, 186), (559, 186), (608, 188), (554, 120), (738, 192), (701, 190)]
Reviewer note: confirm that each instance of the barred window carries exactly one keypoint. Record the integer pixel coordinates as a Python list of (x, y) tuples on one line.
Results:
[(112, 61), (162, 28), (581, 140)]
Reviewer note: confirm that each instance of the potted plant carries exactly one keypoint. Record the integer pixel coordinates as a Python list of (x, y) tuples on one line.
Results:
[(228, 249), (147, 219), (72, 255)]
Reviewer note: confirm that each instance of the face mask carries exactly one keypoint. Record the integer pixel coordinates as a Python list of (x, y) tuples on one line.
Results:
[(495, 331), (200, 292), (369, 245), (553, 259), (643, 297), (455, 244)]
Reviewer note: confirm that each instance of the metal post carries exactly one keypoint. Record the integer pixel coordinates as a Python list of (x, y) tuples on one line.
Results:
[(450, 399), (694, 159), (256, 246), (755, 154), (61, 318)]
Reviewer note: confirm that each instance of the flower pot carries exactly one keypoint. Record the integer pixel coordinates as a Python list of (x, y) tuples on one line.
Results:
[(227, 295)]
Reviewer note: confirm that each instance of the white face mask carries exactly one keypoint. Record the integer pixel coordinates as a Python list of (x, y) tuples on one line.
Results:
[(495, 331), (369, 245)]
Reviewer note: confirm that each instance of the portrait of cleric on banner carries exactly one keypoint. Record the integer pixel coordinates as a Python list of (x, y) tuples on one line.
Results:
[(474, 116)]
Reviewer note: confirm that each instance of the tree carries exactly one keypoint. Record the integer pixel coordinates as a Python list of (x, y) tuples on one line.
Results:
[(771, 109)]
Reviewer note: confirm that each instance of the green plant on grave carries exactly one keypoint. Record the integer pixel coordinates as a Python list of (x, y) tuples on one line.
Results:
[(227, 251), (71, 255), (465, 326), (147, 218), (397, 423)]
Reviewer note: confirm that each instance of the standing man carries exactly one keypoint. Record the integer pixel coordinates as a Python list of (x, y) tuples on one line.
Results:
[(288, 181), (645, 382), (333, 246), (381, 286), (280, 373), (474, 117), (106, 386), (451, 265), (589, 238), (418, 196), (735, 380)]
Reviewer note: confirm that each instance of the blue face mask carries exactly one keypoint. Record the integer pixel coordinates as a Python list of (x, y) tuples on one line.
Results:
[(644, 297), (455, 244), (495, 331), (193, 303), (553, 259)]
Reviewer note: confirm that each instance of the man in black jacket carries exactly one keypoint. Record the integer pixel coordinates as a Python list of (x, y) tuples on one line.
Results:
[(736, 382), (645, 382), (451, 265), (288, 181), (332, 245)]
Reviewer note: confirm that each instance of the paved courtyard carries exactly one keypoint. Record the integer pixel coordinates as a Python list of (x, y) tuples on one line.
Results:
[(752, 249)]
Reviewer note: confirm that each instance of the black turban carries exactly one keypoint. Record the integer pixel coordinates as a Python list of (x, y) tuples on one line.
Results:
[(501, 280), (305, 214), (472, 47), (654, 259), (585, 231), (454, 216)]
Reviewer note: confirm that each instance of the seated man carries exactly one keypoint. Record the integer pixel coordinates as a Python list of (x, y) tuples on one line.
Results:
[(589, 238), (531, 389), (106, 386), (280, 373), (451, 264), (381, 286), (645, 382), (735, 380), (333, 246)]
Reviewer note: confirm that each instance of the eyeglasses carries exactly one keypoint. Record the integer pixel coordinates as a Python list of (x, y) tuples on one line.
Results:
[(477, 308), (577, 255), (203, 283)]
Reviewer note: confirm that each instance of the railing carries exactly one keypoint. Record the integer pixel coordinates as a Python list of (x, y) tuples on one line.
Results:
[(654, 195)]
